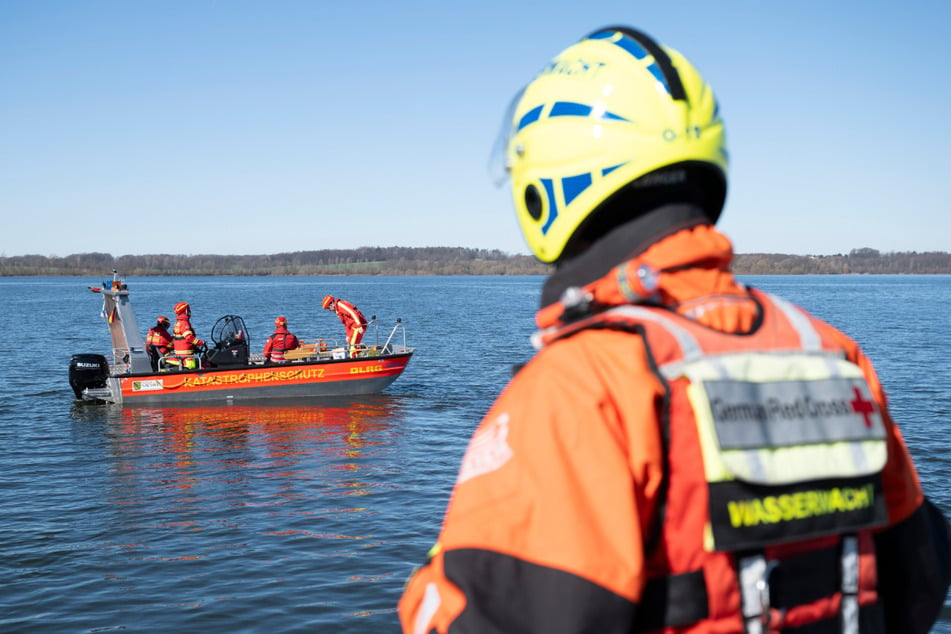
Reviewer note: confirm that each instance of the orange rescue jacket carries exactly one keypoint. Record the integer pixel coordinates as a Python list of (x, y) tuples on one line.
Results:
[(352, 319), (160, 339), (184, 338), (589, 498)]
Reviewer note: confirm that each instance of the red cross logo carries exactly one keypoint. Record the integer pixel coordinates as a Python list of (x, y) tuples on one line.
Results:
[(863, 407)]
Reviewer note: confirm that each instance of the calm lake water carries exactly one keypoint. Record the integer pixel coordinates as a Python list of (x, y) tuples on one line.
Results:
[(309, 518)]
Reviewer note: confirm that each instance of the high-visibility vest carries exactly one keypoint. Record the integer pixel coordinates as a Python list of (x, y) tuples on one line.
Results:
[(278, 344), (160, 339), (183, 337), (774, 449)]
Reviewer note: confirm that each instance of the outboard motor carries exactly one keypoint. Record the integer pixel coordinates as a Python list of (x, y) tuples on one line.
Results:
[(87, 370)]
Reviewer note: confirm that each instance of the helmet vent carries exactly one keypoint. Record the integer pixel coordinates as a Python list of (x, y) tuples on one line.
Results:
[(533, 202)]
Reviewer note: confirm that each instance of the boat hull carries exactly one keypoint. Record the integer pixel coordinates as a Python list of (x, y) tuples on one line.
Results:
[(340, 377)]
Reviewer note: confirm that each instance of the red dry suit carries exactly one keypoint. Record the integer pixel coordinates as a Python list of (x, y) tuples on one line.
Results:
[(278, 343), (160, 338), (158, 344), (352, 319), (185, 342), (685, 455)]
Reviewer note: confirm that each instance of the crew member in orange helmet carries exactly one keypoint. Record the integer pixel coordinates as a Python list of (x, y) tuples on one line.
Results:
[(279, 342), (352, 319), (184, 341), (683, 453), (158, 341)]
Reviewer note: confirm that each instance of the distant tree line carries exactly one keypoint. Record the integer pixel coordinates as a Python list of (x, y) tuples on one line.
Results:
[(437, 261), (361, 261), (858, 261)]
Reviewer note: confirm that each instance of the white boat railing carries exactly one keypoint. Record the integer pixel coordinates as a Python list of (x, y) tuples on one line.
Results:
[(389, 348), (308, 352)]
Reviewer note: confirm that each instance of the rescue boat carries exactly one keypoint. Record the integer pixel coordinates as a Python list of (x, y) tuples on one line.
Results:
[(227, 371)]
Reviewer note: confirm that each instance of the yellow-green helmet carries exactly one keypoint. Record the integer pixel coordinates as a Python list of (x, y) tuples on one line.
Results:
[(606, 112)]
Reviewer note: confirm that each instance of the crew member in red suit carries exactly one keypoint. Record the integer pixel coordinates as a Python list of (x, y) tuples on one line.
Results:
[(279, 342), (158, 342), (184, 341), (352, 319)]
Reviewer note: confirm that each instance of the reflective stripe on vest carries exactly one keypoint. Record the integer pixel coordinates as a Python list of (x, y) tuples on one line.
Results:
[(179, 342), (155, 340)]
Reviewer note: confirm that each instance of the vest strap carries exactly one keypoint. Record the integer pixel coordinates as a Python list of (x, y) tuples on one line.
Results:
[(850, 585), (768, 587), (808, 337), (754, 575)]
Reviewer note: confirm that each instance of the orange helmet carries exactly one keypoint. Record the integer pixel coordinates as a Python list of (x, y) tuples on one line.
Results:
[(162, 319), (280, 321), (328, 302), (182, 307)]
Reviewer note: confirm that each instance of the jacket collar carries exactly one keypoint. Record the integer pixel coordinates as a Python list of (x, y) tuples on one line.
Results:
[(623, 243), (671, 257)]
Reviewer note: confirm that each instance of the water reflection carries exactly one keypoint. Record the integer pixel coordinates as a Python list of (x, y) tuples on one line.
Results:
[(247, 441), (212, 512), (279, 470), (341, 428), (258, 492)]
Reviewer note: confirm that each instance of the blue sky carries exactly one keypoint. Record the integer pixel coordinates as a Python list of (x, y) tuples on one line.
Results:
[(262, 127)]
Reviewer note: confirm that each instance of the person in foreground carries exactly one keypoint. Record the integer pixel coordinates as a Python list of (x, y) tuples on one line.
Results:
[(352, 319), (280, 341), (683, 453)]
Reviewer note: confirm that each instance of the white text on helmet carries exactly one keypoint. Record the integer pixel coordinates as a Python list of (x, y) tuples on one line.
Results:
[(573, 67)]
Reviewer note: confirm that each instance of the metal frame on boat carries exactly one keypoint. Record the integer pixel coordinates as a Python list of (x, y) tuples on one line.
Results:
[(230, 373)]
